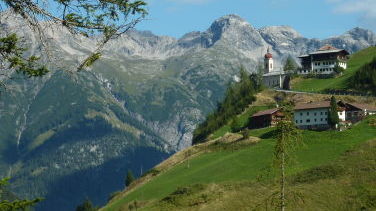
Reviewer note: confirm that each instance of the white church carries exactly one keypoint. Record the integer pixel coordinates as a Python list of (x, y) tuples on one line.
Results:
[(272, 77)]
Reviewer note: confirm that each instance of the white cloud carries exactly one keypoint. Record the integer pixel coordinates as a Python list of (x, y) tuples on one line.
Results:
[(366, 9)]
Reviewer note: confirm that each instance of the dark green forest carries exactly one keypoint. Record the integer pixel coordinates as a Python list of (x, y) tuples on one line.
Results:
[(238, 96), (365, 77)]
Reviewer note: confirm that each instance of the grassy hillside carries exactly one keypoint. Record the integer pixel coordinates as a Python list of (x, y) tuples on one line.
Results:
[(211, 178), (339, 83)]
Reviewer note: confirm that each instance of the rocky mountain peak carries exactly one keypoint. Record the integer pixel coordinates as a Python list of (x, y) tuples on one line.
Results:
[(226, 22), (360, 33)]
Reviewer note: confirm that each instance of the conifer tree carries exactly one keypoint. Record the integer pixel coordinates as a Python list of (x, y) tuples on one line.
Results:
[(129, 179), (288, 139), (333, 118)]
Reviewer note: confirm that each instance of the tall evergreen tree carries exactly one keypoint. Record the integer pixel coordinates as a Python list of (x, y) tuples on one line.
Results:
[(129, 178), (288, 139), (333, 118)]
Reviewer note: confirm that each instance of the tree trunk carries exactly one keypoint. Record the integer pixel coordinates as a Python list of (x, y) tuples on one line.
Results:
[(283, 182)]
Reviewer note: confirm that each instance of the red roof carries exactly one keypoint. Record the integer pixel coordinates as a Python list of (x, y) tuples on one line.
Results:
[(327, 48), (266, 112), (312, 105), (363, 106), (268, 56)]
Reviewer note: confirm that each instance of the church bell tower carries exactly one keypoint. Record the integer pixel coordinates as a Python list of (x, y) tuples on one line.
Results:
[(268, 62)]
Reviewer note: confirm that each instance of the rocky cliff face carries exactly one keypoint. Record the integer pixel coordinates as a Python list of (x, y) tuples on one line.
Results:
[(136, 106)]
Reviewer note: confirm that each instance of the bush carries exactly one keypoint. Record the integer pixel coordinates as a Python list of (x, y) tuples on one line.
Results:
[(235, 125), (245, 133)]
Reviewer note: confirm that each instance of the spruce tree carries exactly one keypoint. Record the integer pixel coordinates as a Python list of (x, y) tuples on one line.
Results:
[(129, 179), (288, 139), (333, 118)]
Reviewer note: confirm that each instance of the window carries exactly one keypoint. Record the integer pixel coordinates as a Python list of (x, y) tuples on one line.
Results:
[(296, 121), (315, 120), (307, 113), (326, 113), (301, 114), (326, 119), (314, 114), (308, 120), (321, 113), (301, 121), (321, 119)]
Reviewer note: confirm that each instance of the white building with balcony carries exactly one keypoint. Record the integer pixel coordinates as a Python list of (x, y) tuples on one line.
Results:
[(323, 61)]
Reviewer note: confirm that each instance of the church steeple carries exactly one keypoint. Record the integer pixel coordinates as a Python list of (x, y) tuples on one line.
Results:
[(268, 61)]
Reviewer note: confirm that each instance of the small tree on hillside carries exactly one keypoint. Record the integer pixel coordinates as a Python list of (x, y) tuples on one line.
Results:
[(86, 206), (129, 179), (333, 118), (288, 138), (235, 125), (286, 83), (338, 69), (290, 65)]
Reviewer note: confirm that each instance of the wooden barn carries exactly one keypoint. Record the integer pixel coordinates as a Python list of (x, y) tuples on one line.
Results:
[(266, 118)]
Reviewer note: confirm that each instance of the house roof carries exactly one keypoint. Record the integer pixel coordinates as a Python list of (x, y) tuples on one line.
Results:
[(312, 105), (325, 49), (363, 106), (328, 51), (266, 112)]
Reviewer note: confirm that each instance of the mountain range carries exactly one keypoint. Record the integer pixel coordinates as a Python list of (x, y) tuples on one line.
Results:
[(67, 137)]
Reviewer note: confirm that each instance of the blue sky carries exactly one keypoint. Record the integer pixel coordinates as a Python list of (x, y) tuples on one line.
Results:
[(312, 18)]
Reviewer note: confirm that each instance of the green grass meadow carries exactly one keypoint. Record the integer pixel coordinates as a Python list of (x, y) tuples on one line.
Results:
[(249, 163), (339, 83), (243, 120)]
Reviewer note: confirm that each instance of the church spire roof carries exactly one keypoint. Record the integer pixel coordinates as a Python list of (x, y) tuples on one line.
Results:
[(268, 55)]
